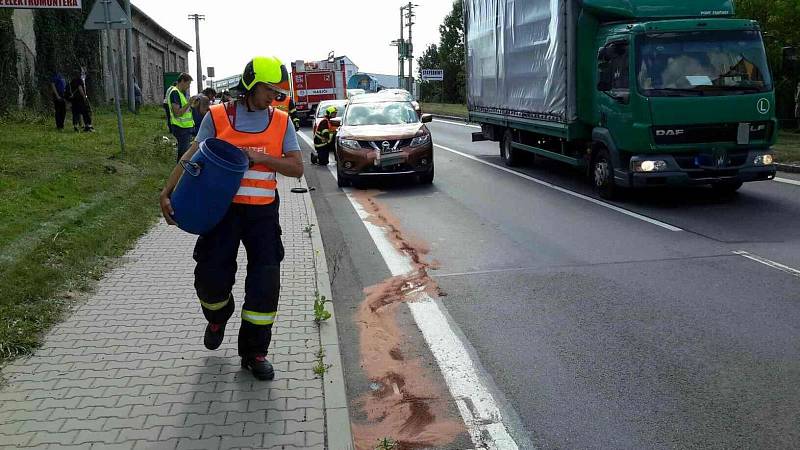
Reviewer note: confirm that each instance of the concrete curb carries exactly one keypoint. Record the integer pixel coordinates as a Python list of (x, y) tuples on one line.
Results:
[(790, 168), (338, 432)]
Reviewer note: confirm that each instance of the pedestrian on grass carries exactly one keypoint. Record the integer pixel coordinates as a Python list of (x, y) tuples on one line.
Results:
[(797, 105), (81, 108), (137, 96), (268, 137), (180, 114), (58, 88)]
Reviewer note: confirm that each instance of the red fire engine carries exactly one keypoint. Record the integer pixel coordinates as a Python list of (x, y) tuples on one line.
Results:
[(315, 81)]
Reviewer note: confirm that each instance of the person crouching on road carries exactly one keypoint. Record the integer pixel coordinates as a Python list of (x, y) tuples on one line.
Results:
[(325, 137), (268, 137), (180, 114)]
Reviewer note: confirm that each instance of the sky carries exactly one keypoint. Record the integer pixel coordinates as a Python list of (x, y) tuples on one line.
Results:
[(236, 30)]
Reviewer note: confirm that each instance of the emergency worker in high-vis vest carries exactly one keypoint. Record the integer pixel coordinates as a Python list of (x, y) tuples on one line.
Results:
[(268, 137), (325, 136), (180, 113), (287, 105)]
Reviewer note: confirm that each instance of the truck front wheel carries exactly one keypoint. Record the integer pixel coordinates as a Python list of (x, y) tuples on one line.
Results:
[(603, 174), (510, 155)]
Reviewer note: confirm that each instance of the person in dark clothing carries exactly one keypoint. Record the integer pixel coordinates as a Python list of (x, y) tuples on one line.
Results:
[(200, 105), (325, 137), (137, 96), (212, 96), (81, 109), (58, 86)]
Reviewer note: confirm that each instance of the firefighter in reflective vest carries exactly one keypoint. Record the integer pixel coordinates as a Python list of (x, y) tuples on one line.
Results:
[(287, 105), (325, 137), (269, 139), (180, 114)]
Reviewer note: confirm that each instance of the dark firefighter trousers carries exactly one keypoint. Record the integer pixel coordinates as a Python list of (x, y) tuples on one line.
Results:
[(258, 228)]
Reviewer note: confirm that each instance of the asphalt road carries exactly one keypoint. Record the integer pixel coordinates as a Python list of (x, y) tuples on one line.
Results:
[(599, 329)]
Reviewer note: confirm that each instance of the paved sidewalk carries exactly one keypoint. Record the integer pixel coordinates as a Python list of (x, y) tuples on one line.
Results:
[(128, 369)]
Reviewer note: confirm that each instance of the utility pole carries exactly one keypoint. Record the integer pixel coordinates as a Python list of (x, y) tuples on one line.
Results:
[(410, 47), (197, 18), (129, 60), (401, 52)]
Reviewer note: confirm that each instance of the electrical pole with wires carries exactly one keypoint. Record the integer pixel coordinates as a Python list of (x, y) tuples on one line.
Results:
[(410, 47), (197, 18)]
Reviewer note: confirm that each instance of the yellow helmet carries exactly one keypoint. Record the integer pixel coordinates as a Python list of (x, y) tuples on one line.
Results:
[(265, 69), (330, 110)]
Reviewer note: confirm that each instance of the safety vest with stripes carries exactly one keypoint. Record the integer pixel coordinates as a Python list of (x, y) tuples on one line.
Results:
[(259, 183), (185, 120)]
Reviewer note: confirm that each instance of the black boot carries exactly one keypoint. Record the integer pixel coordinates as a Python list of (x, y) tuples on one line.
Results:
[(214, 334), (261, 368)]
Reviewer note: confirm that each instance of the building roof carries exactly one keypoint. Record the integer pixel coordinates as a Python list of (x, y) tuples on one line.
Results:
[(175, 40)]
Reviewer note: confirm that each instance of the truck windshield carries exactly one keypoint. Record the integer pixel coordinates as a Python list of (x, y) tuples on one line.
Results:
[(702, 63)]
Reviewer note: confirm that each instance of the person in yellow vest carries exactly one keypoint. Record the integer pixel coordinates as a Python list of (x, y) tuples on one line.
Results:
[(287, 104), (180, 114), (268, 137)]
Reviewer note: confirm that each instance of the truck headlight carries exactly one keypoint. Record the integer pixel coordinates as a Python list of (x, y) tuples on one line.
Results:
[(420, 140), (349, 143), (763, 160), (647, 165)]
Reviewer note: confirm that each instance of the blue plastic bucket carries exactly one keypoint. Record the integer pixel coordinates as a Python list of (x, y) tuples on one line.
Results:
[(208, 185)]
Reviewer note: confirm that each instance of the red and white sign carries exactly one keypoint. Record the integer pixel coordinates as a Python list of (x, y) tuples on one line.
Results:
[(307, 92), (41, 4)]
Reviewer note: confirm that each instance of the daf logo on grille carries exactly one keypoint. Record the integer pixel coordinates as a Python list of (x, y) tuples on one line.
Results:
[(670, 132), (385, 145)]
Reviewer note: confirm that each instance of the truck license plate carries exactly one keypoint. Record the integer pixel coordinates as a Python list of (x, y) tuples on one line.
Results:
[(743, 134)]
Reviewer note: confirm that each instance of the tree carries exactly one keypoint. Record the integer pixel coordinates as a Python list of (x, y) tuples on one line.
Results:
[(778, 20), (449, 56), (429, 90)]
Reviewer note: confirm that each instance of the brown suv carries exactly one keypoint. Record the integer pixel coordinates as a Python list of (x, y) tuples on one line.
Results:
[(382, 135)]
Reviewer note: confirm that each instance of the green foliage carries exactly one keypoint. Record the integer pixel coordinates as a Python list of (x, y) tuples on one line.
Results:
[(779, 21), (386, 444), (449, 56), (62, 45), (320, 367), (70, 205), (320, 313), (8, 61)]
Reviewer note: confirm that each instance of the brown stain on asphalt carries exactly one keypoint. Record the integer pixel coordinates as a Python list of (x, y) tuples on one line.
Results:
[(409, 404)]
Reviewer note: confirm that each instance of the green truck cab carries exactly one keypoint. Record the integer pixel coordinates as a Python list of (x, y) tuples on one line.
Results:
[(640, 94)]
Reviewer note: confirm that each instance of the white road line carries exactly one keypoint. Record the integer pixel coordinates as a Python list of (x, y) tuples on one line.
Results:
[(787, 181), (463, 124), (566, 191), (484, 418), (767, 262)]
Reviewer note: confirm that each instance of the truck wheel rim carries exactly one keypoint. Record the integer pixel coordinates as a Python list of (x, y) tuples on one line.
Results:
[(601, 173)]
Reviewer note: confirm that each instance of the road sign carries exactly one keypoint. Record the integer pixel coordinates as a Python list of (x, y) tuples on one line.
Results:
[(116, 19), (38, 4), (210, 71), (432, 74)]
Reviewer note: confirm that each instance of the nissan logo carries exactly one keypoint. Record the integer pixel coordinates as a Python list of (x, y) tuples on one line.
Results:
[(763, 106), (385, 145)]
